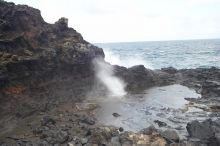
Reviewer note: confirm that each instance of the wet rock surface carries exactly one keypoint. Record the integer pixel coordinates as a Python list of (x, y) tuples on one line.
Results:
[(207, 131), (46, 72), (67, 130), (160, 123), (171, 135)]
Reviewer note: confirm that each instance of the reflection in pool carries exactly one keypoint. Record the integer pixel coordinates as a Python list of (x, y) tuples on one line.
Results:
[(138, 111)]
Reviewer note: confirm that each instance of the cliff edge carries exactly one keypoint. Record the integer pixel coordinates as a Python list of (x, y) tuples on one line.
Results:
[(40, 60)]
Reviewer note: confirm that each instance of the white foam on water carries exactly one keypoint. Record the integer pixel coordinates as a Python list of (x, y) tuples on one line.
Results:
[(115, 59)]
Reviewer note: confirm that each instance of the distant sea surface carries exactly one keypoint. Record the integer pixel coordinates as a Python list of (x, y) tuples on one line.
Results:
[(160, 54)]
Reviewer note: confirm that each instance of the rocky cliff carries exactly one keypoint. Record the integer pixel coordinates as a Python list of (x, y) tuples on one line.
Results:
[(40, 60), (45, 72)]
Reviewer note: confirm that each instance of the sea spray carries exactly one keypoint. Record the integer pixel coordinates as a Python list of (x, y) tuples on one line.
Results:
[(104, 74), (116, 59)]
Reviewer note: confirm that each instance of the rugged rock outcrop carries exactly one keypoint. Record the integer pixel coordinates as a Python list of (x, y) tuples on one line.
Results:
[(208, 132), (43, 66), (40, 60), (136, 77), (32, 48), (205, 81)]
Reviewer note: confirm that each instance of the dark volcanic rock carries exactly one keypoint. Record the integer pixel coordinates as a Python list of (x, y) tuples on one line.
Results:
[(61, 136), (40, 61), (211, 89), (207, 131), (116, 115), (88, 120), (205, 81), (170, 70), (25, 110), (121, 129), (160, 123), (136, 77), (200, 130), (47, 120), (149, 130), (171, 135)]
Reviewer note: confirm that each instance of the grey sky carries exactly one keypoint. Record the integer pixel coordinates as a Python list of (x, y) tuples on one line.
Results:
[(135, 20)]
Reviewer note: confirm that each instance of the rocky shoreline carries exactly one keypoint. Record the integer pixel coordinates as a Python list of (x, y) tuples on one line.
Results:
[(46, 73)]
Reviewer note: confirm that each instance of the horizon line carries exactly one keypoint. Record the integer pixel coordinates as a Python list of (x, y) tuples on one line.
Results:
[(157, 41)]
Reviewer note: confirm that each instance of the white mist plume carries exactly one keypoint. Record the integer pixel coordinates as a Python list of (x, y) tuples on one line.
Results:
[(105, 74), (115, 59)]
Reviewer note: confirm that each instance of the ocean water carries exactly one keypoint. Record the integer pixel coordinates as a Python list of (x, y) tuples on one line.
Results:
[(160, 54)]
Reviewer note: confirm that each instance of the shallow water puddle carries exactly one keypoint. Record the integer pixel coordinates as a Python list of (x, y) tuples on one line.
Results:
[(138, 111)]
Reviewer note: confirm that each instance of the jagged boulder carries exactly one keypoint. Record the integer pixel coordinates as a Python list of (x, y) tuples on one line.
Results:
[(207, 131), (136, 77)]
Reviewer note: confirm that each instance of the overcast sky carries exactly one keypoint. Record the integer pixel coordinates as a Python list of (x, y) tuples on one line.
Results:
[(134, 20)]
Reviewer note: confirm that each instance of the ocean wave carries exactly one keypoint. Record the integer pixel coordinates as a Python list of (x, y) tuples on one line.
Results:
[(156, 55), (116, 59)]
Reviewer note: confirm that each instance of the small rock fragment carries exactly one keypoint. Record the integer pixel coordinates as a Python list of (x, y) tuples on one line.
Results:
[(171, 135), (160, 123), (116, 115), (47, 120), (88, 120), (84, 141), (149, 130), (121, 129)]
